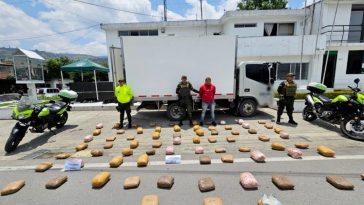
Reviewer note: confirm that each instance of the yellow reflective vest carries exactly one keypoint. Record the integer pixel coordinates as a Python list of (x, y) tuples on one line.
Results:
[(123, 93)]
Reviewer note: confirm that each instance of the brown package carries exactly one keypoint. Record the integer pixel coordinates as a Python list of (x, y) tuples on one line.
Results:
[(230, 139), (150, 200), (196, 127), (156, 135), (340, 182), (220, 150), (81, 146), (235, 132), (278, 146), (196, 140), (325, 151), (177, 128), (157, 144), (278, 130), (127, 152), (362, 176), (262, 122), (206, 184), (44, 166), (139, 130), (200, 132), (158, 129), (96, 132), (268, 126), (252, 131), (100, 179), (116, 125), (264, 138), (130, 137), (212, 139), (228, 127), (110, 138), (302, 145), (132, 182), (150, 152), (210, 128), (212, 201), (56, 182), (96, 153), (214, 132), (63, 156), (227, 158), (165, 182), (12, 187), (204, 159), (108, 145), (120, 132), (134, 144), (116, 161), (143, 160), (244, 149), (282, 182)]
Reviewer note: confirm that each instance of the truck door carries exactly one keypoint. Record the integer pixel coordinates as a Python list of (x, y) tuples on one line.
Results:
[(257, 83)]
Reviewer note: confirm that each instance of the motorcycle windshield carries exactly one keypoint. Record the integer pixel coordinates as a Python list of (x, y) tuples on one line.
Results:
[(24, 104)]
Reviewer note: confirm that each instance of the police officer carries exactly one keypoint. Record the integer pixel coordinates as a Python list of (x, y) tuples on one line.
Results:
[(287, 91), (183, 91), (125, 96)]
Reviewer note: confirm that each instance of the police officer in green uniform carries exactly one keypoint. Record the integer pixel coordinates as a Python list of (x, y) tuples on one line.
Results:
[(287, 91), (183, 91)]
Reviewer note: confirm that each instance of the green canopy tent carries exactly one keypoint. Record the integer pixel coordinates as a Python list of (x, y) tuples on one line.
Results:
[(84, 65)]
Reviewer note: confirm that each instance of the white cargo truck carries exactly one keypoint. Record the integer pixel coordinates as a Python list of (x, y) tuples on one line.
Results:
[(153, 67)]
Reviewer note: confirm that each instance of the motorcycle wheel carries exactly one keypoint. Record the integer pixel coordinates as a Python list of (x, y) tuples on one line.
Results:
[(63, 120), (346, 126), (16, 135), (308, 115)]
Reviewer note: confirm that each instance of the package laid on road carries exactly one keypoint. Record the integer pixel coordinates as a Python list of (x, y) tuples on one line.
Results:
[(284, 135), (120, 132), (81, 146), (116, 161), (199, 150), (150, 152), (212, 201), (230, 139), (262, 122), (206, 184), (108, 145), (173, 159), (88, 138), (294, 153), (204, 159), (130, 137), (170, 150), (227, 158), (235, 132), (340, 182), (177, 128), (220, 150), (252, 131), (139, 130), (176, 141), (268, 126), (200, 132), (210, 128), (257, 156), (268, 200), (316, 87), (325, 151), (264, 138), (165, 182), (99, 126), (143, 160), (127, 152), (214, 132), (212, 139), (12, 187), (73, 165), (156, 144), (282, 182), (228, 127), (156, 135), (244, 149), (278, 146), (278, 130), (56, 182), (196, 140), (196, 127), (150, 200), (63, 156), (248, 181), (134, 144), (362, 176), (245, 125), (96, 153), (158, 129), (100, 179), (44, 166), (116, 125), (110, 138), (132, 182), (96, 132), (302, 145)]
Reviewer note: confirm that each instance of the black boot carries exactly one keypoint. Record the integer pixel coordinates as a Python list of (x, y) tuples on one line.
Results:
[(191, 123), (291, 121), (278, 119)]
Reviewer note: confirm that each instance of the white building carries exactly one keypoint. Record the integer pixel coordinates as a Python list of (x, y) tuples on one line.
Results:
[(274, 36)]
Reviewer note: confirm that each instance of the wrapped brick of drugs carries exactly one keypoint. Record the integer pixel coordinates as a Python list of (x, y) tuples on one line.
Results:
[(302, 145), (12, 187), (81, 146), (99, 126), (177, 141), (278, 130), (143, 160), (140, 130), (116, 161), (228, 127), (110, 139), (196, 127), (44, 166), (248, 181), (196, 140), (130, 137), (134, 144), (222, 122), (88, 138), (204, 159), (120, 132), (294, 153), (268, 126), (206, 184), (278, 146), (325, 151), (150, 200), (158, 129), (230, 139), (210, 128), (244, 149), (165, 182), (56, 182), (284, 135), (132, 182), (108, 145), (156, 135), (170, 150), (212, 201), (199, 150), (150, 152), (268, 200), (340, 182), (240, 121), (96, 153), (96, 132), (282, 182), (214, 132), (156, 144), (262, 122), (100, 179), (264, 138), (257, 156), (200, 132), (220, 150), (362, 176), (177, 128), (127, 152), (245, 125), (116, 125), (62, 156), (252, 131), (227, 158), (212, 139), (235, 132)]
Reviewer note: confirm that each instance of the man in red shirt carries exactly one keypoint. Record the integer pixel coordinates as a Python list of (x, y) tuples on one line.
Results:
[(207, 95)]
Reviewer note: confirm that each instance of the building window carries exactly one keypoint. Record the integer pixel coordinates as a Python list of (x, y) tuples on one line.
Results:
[(153, 32), (245, 25), (258, 72), (356, 28), (355, 62), (123, 33), (138, 33), (278, 29), (284, 68)]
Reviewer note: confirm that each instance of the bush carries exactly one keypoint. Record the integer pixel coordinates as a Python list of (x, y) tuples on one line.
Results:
[(330, 94), (55, 98)]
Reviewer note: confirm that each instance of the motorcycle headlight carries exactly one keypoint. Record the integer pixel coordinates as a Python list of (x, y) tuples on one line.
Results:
[(21, 116)]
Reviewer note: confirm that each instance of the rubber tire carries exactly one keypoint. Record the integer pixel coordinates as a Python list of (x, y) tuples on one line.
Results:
[(170, 112), (343, 130), (307, 118), (248, 102), (61, 124), (16, 135)]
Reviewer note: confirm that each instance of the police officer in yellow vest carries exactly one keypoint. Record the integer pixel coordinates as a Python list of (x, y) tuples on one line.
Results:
[(287, 91), (124, 95)]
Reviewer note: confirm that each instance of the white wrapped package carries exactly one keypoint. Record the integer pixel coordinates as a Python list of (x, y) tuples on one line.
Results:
[(257, 156), (222, 122), (248, 181), (245, 125), (99, 126), (295, 153), (269, 200), (240, 121), (199, 150), (284, 135), (170, 150), (173, 159), (88, 138), (176, 141)]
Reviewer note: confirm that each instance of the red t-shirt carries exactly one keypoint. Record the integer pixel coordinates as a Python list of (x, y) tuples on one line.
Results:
[(207, 93)]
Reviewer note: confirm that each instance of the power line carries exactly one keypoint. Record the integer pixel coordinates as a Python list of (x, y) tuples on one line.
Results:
[(54, 34)]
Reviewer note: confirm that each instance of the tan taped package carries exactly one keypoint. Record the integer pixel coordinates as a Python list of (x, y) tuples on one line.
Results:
[(220, 150), (63, 156), (340, 182), (140, 130), (44, 166), (268, 126), (264, 138), (302, 145), (278, 146), (227, 158), (12, 187), (143, 160), (196, 140), (100, 179), (212, 139), (127, 152), (177, 128), (165, 182), (262, 122), (235, 132), (244, 149), (210, 128), (230, 139), (282, 182), (196, 127), (157, 144), (120, 132), (278, 130), (200, 132), (206, 184), (56, 182), (252, 131), (130, 137), (156, 135), (362, 176), (150, 152), (110, 138), (214, 132), (116, 161), (204, 159), (134, 144), (158, 129), (108, 145), (150, 200), (228, 127), (325, 151), (96, 132), (96, 153), (212, 201), (81, 146), (132, 182), (116, 125)]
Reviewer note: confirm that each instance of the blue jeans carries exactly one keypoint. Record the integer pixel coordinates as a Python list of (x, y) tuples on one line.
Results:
[(204, 109)]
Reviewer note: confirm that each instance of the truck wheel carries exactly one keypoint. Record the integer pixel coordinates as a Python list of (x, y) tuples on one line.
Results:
[(175, 112), (248, 108)]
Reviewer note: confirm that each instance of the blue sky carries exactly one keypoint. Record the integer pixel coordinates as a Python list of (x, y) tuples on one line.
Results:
[(29, 18)]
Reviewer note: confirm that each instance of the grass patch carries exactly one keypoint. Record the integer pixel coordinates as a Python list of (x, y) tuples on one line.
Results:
[(55, 98), (6, 104), (331, 94)]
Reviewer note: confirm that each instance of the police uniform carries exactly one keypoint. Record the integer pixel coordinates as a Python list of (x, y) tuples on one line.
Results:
[(287, 91), (183, 91), (124, 96)]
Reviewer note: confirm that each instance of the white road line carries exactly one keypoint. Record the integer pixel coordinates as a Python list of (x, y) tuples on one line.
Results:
[(213, 161)]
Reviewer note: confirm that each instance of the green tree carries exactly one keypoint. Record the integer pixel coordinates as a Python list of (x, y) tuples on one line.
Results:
[(52, 68), (262, 4)]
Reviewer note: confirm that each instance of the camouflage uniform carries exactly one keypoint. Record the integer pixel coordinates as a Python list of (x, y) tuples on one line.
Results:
[(183, 91), (287, 91)]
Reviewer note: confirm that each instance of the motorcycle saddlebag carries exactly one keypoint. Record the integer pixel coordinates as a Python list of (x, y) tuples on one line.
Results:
[(316, 88), (68, 95)]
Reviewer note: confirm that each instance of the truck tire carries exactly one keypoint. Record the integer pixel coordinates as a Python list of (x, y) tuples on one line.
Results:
[(248, 108), (175, 112)]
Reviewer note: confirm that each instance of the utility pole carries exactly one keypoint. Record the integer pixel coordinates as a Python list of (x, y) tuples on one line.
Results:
[(201, 9), (165, 10)]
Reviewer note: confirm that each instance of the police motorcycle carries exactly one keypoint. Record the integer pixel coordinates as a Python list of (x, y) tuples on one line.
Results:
[(345, 110), (38, 117)]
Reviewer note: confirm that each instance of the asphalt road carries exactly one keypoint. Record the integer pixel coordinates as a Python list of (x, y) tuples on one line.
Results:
[(308, 174)]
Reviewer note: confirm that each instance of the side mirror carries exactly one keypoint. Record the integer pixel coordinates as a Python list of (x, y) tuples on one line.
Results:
[(357, 80)]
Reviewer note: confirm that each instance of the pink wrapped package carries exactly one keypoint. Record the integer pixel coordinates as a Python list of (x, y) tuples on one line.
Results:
[(199, 150), (284, 135), (257, 156), (295, 153), (99, 126), (169, 150), (240, 121), (88, 138), (248, 181), (177, 141), (245, 125)]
